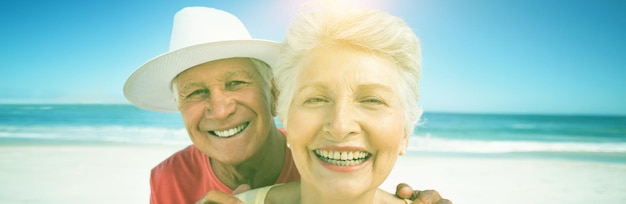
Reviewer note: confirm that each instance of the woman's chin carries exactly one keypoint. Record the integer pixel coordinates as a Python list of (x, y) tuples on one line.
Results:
[(346, 187)]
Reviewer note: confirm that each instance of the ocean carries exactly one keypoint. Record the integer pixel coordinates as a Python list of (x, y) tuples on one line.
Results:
[(563, 136)]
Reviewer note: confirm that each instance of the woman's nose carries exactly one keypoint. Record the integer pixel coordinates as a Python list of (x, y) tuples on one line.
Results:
[(342, 120)]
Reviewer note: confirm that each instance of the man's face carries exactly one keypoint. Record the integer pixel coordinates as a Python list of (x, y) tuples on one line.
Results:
[(226, 108)]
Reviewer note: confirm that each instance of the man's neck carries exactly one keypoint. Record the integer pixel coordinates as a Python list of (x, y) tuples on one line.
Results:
[(262, 169)]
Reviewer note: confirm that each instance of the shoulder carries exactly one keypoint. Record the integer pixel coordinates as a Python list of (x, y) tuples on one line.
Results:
[(186, 160), (180, 177), (386, 197), (285, 193), (257, 195), (290, 171)]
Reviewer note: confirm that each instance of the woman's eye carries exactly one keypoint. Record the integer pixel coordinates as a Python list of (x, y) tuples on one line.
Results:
[(233, 84), (373, 101), (315, 100)]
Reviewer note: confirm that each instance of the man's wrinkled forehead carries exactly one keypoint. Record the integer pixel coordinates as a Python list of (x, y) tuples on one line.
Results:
[(235, 68)]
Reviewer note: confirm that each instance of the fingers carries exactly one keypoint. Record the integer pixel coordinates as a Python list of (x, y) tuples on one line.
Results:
[(426, 197), (417, 202), (404, 191), (444, 201), (213, 197), (415, 195), (241, 188)]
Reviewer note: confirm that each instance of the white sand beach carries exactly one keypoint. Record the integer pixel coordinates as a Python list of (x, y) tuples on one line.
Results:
[(78, 173), (475, 180), (110, 173)]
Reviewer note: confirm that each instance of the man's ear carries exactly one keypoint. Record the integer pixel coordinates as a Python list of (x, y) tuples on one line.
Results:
[(177, 104), (274, 92)]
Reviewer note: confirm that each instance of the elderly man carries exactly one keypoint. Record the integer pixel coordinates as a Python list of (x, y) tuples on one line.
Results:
[(219, 79)]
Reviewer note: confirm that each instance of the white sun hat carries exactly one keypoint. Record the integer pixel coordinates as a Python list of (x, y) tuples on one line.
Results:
[(199, 35)]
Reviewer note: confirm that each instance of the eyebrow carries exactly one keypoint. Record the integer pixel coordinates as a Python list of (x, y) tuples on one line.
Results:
[(239, 73), (190, 85), (316, 86), (363, 87), (373, 86), (228, 75)]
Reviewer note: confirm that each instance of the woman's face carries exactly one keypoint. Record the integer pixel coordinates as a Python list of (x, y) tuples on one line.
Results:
[(346, 122)]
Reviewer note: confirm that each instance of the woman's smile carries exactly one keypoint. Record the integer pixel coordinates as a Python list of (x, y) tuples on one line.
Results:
[(342, 161)]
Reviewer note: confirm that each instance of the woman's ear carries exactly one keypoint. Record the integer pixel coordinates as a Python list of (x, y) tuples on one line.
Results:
[(404, 143)]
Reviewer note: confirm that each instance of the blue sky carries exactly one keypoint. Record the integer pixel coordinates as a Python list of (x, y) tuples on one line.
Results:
[(514, 56)]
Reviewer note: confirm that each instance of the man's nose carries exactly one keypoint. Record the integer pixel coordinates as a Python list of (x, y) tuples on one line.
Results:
[(220, 106)]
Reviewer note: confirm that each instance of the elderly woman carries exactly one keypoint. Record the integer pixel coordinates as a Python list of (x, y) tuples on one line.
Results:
[(348, 99)]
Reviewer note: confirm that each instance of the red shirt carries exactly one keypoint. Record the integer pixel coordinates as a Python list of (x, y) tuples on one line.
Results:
[(187, 176)]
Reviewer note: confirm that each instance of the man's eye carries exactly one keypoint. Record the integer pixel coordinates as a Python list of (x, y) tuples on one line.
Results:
[(198, 92), (234, 84)]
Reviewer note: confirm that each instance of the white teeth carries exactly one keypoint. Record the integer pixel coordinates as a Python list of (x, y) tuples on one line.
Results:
[(348, 158), (230, 132)]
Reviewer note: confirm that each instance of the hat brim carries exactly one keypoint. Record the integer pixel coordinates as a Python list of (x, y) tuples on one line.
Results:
[(149, 87)]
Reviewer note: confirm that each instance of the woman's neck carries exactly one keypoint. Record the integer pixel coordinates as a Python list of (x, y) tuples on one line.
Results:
[(309, 194), (294, 192), (261, 169)]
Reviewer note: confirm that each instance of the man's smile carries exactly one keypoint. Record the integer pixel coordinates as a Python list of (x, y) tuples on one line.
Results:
[(230, 132)]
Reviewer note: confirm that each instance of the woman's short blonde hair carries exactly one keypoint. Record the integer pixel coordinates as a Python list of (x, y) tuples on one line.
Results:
[(371, 30)]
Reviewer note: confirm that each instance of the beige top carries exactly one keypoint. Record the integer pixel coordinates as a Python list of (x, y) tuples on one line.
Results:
[(258, 195), (255, 196)]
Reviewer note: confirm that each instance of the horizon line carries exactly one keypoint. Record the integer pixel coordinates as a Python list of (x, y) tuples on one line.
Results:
[(2, 103)]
